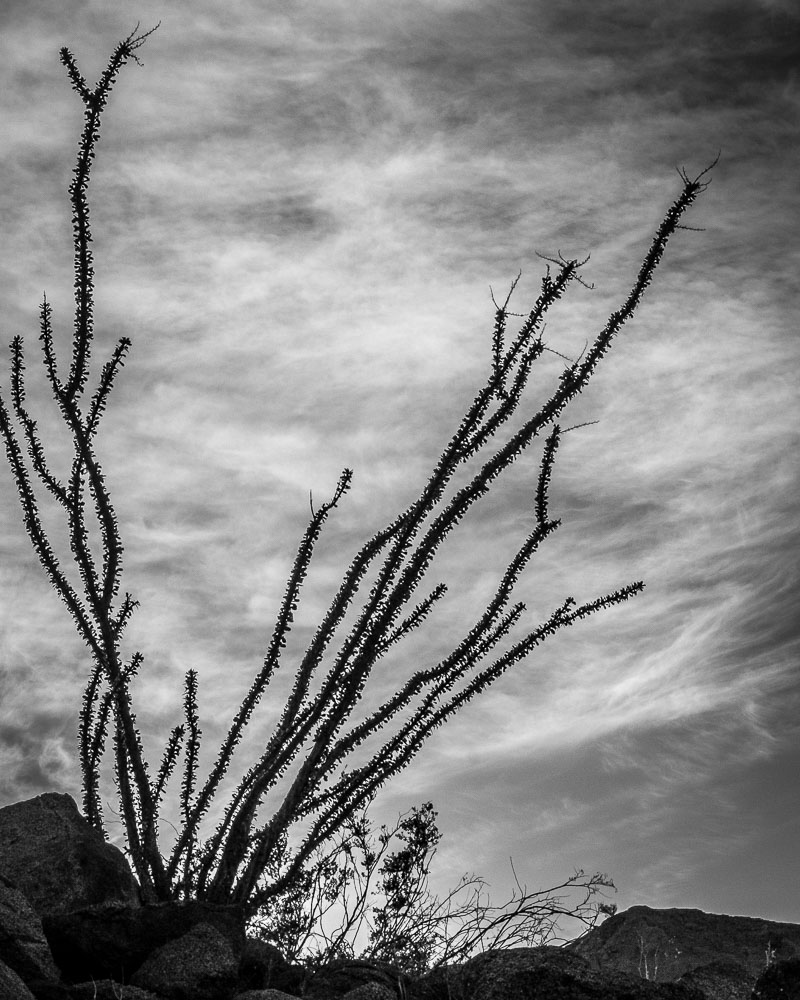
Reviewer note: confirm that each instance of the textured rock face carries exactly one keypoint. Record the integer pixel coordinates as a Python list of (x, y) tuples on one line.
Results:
[(340, 978), (664, 944), (11, 986), (554, 974), (263, 967), (201, 965), (57, 860), (721, 980), (780, 981), (107, 989), (115, 948), (112, 941), (371, 991), (268, 994), (23, 946)]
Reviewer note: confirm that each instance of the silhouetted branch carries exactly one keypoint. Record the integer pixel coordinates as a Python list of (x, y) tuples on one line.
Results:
[(377, 606)]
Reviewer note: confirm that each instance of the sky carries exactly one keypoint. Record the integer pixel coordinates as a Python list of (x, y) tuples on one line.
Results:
[(300, 213)]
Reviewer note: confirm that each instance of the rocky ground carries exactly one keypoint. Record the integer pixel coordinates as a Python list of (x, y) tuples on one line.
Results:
[(666, 944), (72, 927)]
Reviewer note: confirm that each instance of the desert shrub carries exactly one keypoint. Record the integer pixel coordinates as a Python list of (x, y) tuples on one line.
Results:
[(367, 896), (316, 770)]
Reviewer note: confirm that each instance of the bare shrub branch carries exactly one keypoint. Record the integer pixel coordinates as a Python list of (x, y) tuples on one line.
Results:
[(367, 896)]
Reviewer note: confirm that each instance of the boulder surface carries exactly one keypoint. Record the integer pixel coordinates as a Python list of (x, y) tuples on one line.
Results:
[(780, 981), (112, 941), (201, 965), (549, 973), (23, 945), (72, 927), (58, 861), (662, 945)]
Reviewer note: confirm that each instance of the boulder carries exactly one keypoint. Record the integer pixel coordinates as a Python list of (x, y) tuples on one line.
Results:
[(438, 984), (49, 991), (107, 989), (370, 991), (201, 965), (57, 860), (780, 980), (11, 986), (263, 967), (23, 946), (549, 973), (340, 977), (73, 927), (721, 980), (268, 994), (112, 941), (664, 944)]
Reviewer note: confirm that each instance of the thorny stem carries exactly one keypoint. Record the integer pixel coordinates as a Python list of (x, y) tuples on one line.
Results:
[(231, 864)]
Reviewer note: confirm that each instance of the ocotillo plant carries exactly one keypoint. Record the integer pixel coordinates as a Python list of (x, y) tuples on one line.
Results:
[(380, 593)]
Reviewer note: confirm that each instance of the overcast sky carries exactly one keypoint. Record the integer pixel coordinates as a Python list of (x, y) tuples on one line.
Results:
[(299, 209)]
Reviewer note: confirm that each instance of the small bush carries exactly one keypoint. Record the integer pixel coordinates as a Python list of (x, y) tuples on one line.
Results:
[(368, 897)]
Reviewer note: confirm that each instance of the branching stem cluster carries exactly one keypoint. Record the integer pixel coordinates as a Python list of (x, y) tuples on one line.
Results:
[(380, 593)]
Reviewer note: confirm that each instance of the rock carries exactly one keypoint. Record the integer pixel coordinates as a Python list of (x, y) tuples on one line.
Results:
[(664, 944), (438, 984), (371, 991), (721, 980), (11, 986), (107, 989), (201, 965), (49, 991), (263, 967), (780, 980), (54, 945), (23, 946), (340, 977), (111, 941), (57, 860), (268, 994), (549, 973)]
